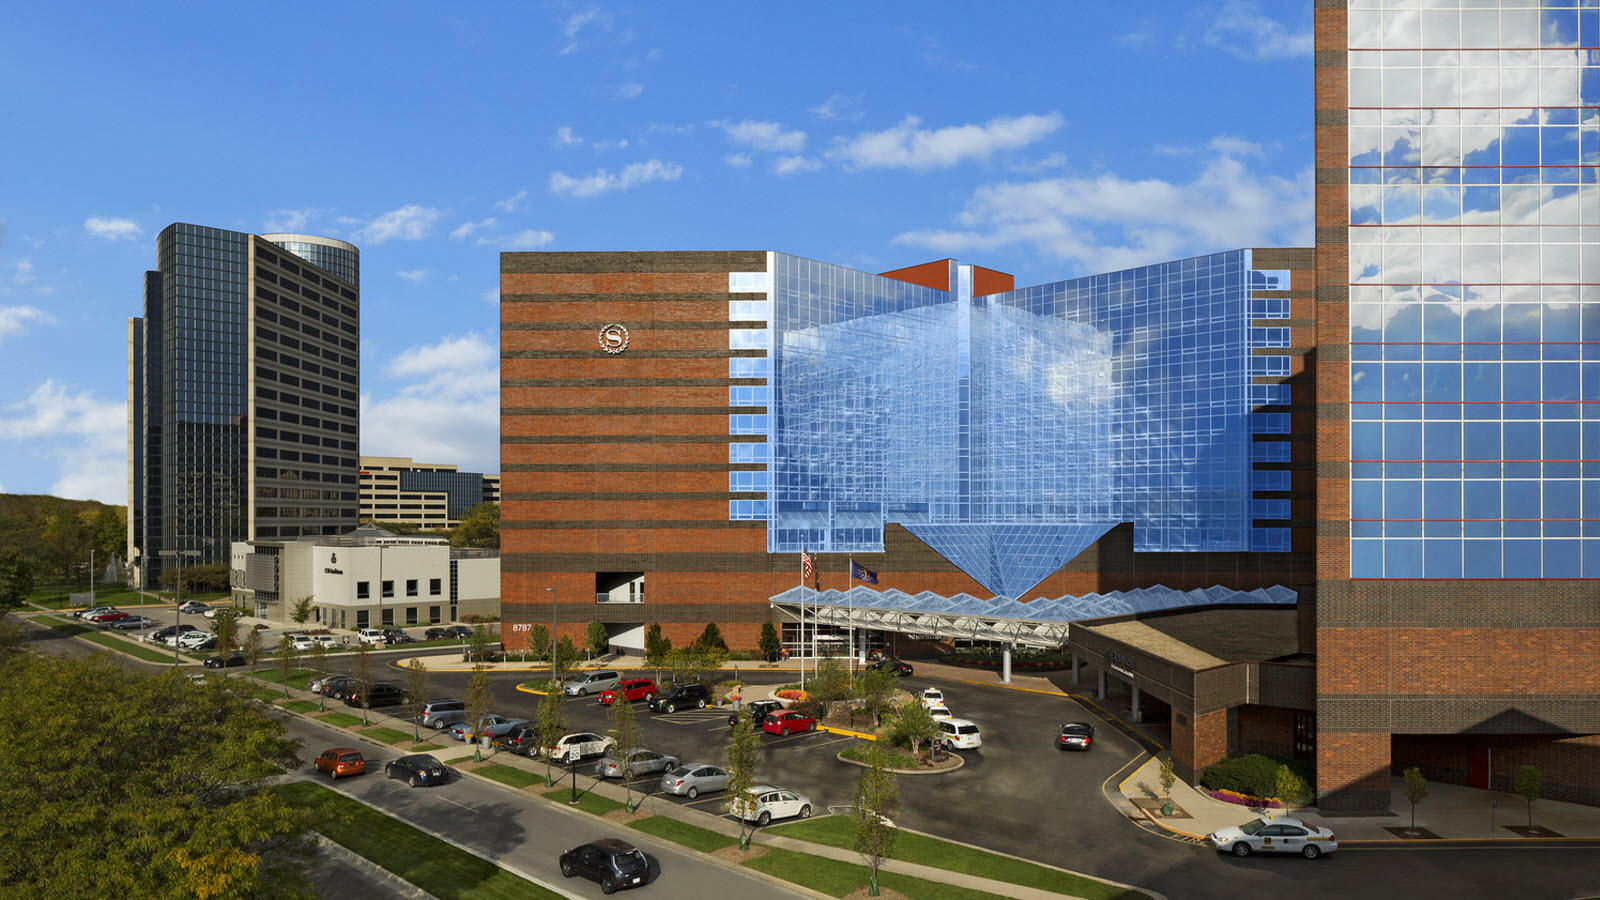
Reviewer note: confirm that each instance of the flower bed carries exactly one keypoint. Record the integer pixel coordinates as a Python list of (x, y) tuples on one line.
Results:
[(794, 694), (975, 662), (1246, 800)]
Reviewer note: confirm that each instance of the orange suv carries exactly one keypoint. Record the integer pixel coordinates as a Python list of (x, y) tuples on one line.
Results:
[(341, 761)]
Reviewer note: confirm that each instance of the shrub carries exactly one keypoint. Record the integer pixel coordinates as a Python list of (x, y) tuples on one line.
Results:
[(1254, 775)]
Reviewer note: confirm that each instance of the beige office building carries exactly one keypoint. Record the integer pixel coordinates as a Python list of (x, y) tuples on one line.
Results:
[(396, 489)]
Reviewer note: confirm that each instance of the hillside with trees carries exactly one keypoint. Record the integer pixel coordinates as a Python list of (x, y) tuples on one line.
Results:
[(46, 540)]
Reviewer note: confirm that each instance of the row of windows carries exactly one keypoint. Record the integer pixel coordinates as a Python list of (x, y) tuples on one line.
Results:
[(1490, 558), (267, 492), (308, 420), (364, 588), (1493, 442), (1518, 23), (302, 475), (265, 373), (303, 512), (311, 403)]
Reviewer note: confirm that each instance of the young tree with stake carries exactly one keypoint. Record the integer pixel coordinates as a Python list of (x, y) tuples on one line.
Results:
[(416, 695), (287, 655), (318, 661), (598, 639), (1416, 790), (225, 625), (301, 611), (361, 674), (551, 724), (1527, 786), (914, 725), (253, 649), (744, 759), (877, 801), (479, 697), (627, 734)]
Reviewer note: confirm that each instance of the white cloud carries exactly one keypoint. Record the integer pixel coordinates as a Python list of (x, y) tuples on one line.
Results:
[(492, 296), (763, 135), (408, 223), (112, 229), (566, 136), (450, 412), (24, 272), (845, 107), (526, 239), (627, 91), (1110, 222), (467, 229), (603, 146), (1056, 160), (413, 275), (511, 203), (906, 146), (574, 25), (83, 436), (14, 320), (1242, 29), (789, 165), (737, 160), (602, 181), (289, 221)]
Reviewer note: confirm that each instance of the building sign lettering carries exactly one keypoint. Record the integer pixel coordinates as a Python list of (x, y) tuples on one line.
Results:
[(613, 338), (1120, 664)]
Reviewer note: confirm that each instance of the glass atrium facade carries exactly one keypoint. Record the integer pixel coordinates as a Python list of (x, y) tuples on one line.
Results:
[(1008, 431), (1474, 289)]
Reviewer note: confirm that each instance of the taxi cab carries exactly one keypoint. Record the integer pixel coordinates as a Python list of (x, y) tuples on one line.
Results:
[(1279, 835)]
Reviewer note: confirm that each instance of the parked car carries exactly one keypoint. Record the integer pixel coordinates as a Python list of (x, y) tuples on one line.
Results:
[(225, 662), (93, 611), (959, 734), (133, 623), (436, 633), (788, 722), (931, 696), (160, 635), (341, 761), (193, 607), (681, 696), (215, 611), (107, 617), (772, 803), (573, 747), (448, 631), (939, 711), (397, 636), (333, 686), (1075, 736), (757, 709), (613, 863), (437, 714), (523, 739), (307, 641), (893, 667), (586, 683), (492, 725), (630, 688), (382, 693), (370, 637), (641, 762), (1274, 836), (417, 769), (694, 779), (196, 640)]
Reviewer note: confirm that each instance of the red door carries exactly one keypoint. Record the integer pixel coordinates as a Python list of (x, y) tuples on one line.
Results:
[(1478, 768)]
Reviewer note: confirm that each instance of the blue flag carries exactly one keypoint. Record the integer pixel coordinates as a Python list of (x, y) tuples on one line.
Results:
[(857, 571)]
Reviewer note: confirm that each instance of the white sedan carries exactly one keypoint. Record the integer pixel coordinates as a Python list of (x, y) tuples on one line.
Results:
[(574, 747), (939, 712), (773, 803), (1274, 836)]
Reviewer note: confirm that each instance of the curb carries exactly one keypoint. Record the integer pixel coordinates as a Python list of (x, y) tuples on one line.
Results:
[(371, 869), (847, 732), (856, 762)]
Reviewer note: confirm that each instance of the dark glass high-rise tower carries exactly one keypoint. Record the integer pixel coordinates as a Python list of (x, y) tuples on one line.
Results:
[(243, 393)]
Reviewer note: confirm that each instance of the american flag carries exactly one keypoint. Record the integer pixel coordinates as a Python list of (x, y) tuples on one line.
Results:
[(805, 564)]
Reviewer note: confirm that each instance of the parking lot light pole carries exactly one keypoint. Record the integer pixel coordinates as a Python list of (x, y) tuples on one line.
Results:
[(553, 596), (178, 610)]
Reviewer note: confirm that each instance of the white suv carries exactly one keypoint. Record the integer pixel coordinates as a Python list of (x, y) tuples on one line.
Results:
[(371, 636), (574, 747), (959, 734), (772, 803)]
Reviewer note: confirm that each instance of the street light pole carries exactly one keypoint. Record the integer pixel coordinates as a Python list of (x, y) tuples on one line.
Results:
[(178, 610), (553, 596)]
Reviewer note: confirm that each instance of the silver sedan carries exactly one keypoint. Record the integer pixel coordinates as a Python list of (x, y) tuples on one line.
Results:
[(642, 762), (694, 779)]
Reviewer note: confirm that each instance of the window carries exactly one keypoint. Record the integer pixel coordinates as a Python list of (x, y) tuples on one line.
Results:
[(388, 589), (433, 615), (435, 586), (411, 615), (388, 617), (411, 587), (363, 590), (361, 618)]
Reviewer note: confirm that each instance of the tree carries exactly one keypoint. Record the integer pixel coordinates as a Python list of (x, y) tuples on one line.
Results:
[(478, 644), (1289, 787), (318, 660), (877, 801), (67, 540), (876, 688), (225, 625), (1167, 772), (301, 610), (169, 818), (656, 646), (361, 674), (551, 725), (1416, 790), (566, 653), (913, 725), (539, 641), (108, 535), (1527, 787), (480, 696), (689, 665), (627, 734), (744, 760), (416, 695), (770, 644), (287, 654), (253, 649), (598, 639), (711, 639), (832, 682), (16, 578), (480, 527)]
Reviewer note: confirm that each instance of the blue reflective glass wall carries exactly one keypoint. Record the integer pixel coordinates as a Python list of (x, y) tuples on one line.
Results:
[(1474, 290), (1118, 397), (463, 490)]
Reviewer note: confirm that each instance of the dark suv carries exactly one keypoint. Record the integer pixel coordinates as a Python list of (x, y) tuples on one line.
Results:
[(681, 696), (613, 863), (759, 710), (893, 666), (382, 694), (393, 636), (523, 739)]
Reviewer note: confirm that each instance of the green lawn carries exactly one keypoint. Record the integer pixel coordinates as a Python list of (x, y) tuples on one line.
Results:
[(298, 706), (426, 748), (517, 778), (898, 758), (298, 678), (340, 720), (56, 596), (418, 857), (836, 878), (539, 685), (387, 735), (589, 803), (692, 836), (838, 831), (105, 639)]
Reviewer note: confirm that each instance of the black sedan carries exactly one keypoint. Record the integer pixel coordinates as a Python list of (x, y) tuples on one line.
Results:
[(615, 864), (225, 662), (893, 667), (1075, 736), (417, 770), (393, 636), (758, 709)]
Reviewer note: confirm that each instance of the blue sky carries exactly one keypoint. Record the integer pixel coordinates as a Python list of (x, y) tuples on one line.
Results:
[(1047, 140)]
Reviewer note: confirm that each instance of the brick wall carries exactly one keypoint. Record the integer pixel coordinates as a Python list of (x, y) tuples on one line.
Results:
[(1200, 742), (1566, 764), (1267, 730), (1352, 772)]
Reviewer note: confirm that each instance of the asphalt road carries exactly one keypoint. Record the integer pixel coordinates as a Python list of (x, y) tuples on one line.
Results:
[(1019, 795), (524, 834)]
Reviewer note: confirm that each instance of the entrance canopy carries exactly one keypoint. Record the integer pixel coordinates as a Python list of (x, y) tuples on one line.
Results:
[(1040, 623)]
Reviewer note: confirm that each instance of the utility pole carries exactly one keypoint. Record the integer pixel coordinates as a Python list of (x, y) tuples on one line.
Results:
[(553, 595), (178, 611), (91, 578)]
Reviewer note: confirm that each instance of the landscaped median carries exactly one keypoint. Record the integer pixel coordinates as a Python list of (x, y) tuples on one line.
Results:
[(105, 639)]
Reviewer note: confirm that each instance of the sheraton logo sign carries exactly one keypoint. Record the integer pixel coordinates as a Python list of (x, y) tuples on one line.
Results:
[(613, 338)]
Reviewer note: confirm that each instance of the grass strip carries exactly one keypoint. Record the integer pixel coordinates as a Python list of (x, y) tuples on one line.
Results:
[(105, 640), (837, 878), (692, 836), (839, 831), (589, 803), (517, 778), (538, 686), (863, 753), (386, 735), (298, 678), (440, 869), (298, 706), (340, 720), (426, 748)]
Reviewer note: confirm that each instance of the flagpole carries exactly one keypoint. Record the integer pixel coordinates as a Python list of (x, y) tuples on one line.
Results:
[(850, 606), (802, 645)]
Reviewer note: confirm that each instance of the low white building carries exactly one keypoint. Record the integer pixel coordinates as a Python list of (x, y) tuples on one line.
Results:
[(366, 578)]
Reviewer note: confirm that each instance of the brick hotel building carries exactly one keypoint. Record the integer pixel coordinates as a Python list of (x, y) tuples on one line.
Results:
[(1399, 428)]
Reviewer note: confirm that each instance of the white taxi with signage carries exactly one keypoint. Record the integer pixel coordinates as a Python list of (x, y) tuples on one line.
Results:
[(1274, 836)]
